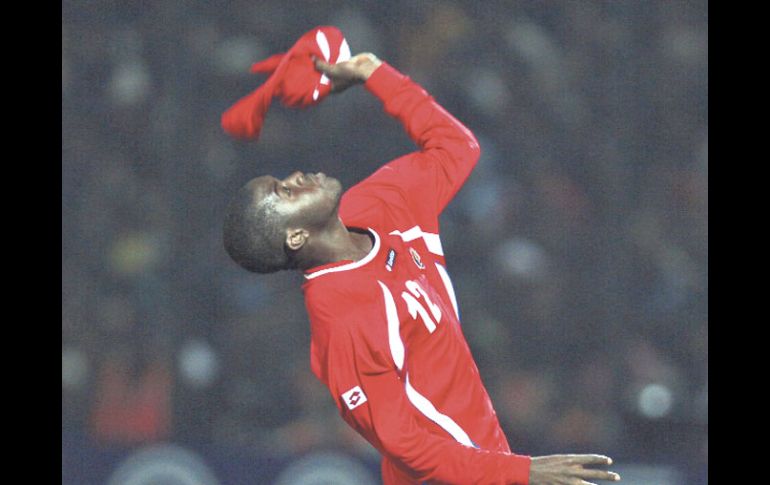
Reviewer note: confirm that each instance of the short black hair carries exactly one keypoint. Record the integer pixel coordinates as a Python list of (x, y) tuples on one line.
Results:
[(253, 234)]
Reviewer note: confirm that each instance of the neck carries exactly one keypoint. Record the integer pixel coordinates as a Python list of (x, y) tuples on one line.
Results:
[(337, 243)]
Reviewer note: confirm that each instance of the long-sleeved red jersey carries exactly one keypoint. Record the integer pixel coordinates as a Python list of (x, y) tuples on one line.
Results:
[(386, 336)]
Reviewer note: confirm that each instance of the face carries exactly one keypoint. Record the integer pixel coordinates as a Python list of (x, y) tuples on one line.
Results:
[(304, 200)]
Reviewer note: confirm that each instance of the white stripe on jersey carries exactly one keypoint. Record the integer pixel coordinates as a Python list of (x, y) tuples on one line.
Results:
[(432, 240), (394, 337), (429, 410), (419, 401), (449, 288)]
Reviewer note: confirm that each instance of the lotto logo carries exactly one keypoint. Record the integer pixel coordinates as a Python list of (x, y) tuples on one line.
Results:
[(354, 398)]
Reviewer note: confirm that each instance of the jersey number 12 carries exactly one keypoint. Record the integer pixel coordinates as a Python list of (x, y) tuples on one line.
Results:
[(416, 302)]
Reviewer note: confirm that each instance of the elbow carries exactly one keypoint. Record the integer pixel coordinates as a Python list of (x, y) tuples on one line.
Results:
[(470, 152), (393, 445), (474, 150), (413, 453), (400, 446)]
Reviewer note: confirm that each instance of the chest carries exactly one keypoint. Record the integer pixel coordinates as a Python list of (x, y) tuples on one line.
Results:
[(415, 283)]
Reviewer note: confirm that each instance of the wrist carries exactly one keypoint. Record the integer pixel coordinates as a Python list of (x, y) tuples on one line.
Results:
[(368, 64), (384, 82)]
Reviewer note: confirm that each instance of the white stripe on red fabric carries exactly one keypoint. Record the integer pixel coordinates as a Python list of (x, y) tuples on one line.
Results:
[(394, 337), (353, 265), (449, 288), (432, 240), (419, 401), (429, 410)]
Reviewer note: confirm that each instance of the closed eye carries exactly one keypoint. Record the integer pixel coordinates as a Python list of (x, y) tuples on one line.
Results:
[(279, 187)]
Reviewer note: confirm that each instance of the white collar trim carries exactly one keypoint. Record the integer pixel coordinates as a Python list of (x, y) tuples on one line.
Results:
[(356, 264)]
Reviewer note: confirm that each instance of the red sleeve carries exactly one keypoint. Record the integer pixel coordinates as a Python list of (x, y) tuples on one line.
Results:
[(371, 397), (448, 150)]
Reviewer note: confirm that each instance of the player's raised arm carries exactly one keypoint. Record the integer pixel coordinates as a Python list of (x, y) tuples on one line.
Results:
[(448, 150)]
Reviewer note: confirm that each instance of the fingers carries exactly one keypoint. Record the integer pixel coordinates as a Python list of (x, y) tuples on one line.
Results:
[(342, 75), (322, 66), (590, 459), (593, 474)]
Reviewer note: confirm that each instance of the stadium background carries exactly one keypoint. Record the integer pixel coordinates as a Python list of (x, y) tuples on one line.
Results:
[(578, 246)]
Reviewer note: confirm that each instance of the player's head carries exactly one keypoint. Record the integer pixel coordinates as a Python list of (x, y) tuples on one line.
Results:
[(270, 222)]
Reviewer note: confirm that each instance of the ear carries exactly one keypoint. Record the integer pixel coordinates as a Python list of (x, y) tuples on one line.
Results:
[(296, 238)]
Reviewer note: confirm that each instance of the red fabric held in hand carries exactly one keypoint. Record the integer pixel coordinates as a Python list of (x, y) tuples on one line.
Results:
[(293, 79)]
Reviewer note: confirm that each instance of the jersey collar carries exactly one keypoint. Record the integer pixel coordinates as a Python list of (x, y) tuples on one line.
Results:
[(345, 265)]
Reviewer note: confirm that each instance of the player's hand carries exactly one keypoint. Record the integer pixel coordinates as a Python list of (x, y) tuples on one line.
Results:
[(355, 70), (569, 470)]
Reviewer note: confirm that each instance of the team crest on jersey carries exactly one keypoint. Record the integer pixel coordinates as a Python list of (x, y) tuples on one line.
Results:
[(354, 397), (416, 258)]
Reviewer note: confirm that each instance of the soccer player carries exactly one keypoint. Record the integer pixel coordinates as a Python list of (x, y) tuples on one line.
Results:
[(385, 328)]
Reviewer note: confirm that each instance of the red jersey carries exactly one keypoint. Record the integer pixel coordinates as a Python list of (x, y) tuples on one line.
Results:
[(386, 336)]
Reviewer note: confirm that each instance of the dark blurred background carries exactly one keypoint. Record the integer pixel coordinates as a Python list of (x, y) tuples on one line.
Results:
[(578, 247)]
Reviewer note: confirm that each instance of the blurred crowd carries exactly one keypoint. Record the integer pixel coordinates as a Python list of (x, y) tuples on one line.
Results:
[(578, 247)]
